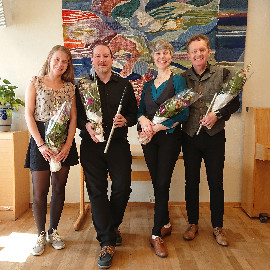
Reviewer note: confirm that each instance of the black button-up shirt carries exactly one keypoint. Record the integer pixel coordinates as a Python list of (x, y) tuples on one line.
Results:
[(110, 96)]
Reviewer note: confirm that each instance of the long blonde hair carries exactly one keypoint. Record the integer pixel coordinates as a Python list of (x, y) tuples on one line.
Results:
[(68, 75)]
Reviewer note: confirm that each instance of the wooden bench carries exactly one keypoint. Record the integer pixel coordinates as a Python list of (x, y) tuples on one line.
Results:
[(137, 153)]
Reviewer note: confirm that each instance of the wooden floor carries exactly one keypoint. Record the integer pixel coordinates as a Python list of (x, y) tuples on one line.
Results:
[(249, 243)]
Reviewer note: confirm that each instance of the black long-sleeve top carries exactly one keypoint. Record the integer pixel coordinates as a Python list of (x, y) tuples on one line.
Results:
[(110, 96)]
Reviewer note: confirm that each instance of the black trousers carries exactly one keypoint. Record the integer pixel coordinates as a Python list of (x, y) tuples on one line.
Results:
[(212, 150), (161, 154), (107, 213)]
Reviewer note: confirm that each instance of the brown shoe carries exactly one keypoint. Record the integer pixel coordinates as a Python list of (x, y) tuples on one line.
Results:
[(220, 237), (191, 232), (166, 231), (159, 246)]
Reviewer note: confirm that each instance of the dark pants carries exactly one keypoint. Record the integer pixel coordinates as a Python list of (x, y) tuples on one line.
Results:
[(212, 150), (161, 154), (107, 213)]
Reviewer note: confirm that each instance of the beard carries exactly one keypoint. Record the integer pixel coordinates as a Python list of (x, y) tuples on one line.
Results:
[(103, 69)]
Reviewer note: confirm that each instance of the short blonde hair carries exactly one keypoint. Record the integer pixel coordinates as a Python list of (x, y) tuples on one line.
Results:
[(161, 44)]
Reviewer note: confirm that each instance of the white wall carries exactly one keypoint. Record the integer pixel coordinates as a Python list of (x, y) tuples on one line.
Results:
[(35, 26), (257, 92)]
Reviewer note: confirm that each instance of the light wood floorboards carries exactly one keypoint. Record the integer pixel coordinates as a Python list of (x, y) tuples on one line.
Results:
[(249, 243)]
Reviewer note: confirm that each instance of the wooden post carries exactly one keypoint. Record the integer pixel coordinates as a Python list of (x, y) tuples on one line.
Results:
[(83, 207)]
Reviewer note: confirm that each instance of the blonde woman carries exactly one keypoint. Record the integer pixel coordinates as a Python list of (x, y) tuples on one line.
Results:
[(54, 86), (163, 148)]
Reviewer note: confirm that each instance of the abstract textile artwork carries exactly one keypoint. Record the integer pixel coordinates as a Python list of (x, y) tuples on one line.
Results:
[(129, 26)]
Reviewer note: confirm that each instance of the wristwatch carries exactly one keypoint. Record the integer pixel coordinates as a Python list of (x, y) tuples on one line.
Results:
[(218, 114)]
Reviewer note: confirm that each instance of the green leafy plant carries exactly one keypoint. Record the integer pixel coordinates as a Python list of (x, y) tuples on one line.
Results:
[(7, 97)]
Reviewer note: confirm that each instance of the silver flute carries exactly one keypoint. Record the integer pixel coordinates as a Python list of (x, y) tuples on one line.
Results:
[(112, 129)]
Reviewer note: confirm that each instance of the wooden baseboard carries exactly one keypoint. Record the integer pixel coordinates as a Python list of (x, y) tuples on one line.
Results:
[(226, 204), (202, 204)]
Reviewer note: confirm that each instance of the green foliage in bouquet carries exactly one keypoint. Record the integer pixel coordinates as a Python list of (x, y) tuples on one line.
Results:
[(236, 83), (56, 132), (90, 95), (177, 103)]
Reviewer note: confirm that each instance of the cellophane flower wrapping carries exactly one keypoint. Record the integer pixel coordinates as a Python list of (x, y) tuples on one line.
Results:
[(171, 107), (175, 105), (231, 88), (91, 101), (56, 132)]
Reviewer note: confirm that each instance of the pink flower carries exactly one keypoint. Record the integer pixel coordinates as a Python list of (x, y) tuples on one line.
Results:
[(162, 109), (89, 101)]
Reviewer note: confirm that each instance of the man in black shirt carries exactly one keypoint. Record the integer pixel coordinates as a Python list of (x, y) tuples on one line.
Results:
[(107, 213)]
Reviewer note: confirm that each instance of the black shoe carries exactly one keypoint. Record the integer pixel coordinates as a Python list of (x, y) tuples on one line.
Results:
[(105, 257), (118, 237)]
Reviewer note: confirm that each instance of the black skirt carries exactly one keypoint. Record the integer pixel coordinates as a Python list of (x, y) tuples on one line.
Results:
[(36, 162)]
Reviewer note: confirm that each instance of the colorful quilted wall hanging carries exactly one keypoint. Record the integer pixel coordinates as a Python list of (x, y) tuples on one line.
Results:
[(128, 26)]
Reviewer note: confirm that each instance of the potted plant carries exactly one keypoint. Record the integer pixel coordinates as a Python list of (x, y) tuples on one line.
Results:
[(8, 102)]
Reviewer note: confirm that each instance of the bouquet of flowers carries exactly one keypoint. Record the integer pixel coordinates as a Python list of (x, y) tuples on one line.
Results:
[(56, 132), (175, 105), (228, 92), (231, 88), (171, 107), (91, 100)]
